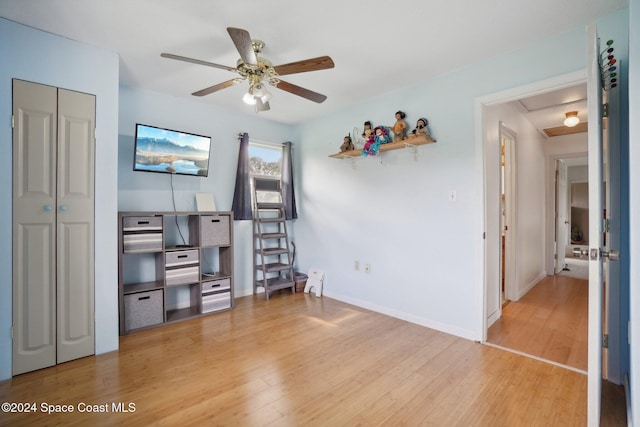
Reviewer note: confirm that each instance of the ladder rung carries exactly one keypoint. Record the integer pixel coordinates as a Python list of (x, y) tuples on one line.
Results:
[(272, 251), (264, 220), (265, 236), (273, 267), (276, 283), (265, 205)]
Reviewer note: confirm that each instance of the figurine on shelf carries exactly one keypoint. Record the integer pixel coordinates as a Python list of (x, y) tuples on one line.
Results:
[(367, 130), (399, 128), (421, 129), (347, 145), (375, 140)]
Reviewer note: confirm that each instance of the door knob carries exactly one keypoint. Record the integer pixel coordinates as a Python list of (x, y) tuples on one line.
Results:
[(612, 255), (47, 208), (63, 208), (578, 252)]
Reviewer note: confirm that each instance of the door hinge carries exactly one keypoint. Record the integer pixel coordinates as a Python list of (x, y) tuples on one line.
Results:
[(11, 332), (13, 121), (484, 235), (605, 225), (605, 109), (605, 341)]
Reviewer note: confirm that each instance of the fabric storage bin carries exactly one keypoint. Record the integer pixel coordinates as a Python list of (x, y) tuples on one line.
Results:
[(214, 230), (216, 286), (182, 267), (143, 309), (216, 295), (142, 234)]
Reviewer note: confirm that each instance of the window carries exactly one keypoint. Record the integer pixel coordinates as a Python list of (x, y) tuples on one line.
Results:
[(265, 160)]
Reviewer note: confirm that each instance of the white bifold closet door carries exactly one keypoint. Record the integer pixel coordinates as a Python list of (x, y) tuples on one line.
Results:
[(53, 225)]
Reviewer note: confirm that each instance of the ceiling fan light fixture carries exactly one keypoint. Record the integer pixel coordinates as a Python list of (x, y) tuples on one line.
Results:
[(248, 98), (571, 119), (266, 97)]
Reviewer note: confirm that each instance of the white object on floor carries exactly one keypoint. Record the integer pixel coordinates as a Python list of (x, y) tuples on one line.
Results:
[(576, 267), (316, 277)]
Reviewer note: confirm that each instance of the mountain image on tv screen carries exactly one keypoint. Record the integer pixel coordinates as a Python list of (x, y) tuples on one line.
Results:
[(168, 151)]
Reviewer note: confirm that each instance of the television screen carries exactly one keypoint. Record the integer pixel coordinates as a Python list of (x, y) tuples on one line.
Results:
[(171, 151)]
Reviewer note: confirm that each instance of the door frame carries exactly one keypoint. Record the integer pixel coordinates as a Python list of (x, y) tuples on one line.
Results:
[(487, 229)]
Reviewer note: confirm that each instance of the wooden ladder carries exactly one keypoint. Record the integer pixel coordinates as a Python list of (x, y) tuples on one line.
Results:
[(272, 264)]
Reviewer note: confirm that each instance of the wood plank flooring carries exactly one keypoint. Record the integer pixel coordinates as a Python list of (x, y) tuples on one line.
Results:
[(550, 321), (300, 360)]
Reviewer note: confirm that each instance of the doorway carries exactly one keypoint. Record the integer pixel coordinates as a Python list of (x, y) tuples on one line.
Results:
[(572, 217), (532, 192)]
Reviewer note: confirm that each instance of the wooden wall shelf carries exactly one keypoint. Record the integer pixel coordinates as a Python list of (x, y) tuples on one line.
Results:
[(398, 145)]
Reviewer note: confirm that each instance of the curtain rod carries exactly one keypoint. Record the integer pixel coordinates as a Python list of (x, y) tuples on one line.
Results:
[(262, 142)]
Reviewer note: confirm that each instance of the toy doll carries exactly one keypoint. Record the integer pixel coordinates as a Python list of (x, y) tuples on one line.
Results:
[(347, 145), (421, 129), (379, 137), (399, 128), (367, 130)]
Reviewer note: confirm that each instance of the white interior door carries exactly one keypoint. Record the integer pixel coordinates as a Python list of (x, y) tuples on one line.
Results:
[(34, 226), (53, 231), (594, 95), (508, 211), (75, 224), (562, 216)]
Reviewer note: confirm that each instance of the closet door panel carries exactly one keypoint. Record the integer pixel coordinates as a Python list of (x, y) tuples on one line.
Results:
[(76, 148), (34, 230)]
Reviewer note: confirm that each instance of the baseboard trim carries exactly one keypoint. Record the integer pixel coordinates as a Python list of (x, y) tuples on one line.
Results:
[(531, 285), (429, 323)]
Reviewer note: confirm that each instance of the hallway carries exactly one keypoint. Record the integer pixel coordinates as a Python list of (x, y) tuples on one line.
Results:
[(549, 322)]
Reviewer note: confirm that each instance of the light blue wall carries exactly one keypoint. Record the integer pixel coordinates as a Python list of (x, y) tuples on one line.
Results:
[(152, 191), (392, 212), (43, 58)]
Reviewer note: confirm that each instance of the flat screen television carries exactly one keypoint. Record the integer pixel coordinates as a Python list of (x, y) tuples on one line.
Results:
[(171, 151)]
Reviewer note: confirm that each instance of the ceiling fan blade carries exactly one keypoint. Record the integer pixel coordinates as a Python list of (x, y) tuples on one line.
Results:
[(242, 40), (313, 64), (300, 91), (196, 61), (216, 88)]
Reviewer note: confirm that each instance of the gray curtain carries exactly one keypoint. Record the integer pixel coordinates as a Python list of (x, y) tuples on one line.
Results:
[(288, 194), (241, 206)]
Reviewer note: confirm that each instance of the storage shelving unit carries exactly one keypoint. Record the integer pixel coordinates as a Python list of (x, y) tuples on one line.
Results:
[(173, 266)]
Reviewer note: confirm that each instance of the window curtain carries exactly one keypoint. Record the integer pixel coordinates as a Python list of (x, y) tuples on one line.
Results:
[(288, 194), (241, 206)]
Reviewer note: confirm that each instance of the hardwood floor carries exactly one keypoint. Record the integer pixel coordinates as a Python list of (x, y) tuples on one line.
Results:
[(300, 360), (550, 321)]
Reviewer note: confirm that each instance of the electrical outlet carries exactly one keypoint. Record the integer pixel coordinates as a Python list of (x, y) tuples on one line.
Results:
[(367, 268), (356, 265)]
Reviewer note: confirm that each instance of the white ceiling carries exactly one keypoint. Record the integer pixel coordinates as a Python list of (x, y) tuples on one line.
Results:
[(548, 110), (377, 46)]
